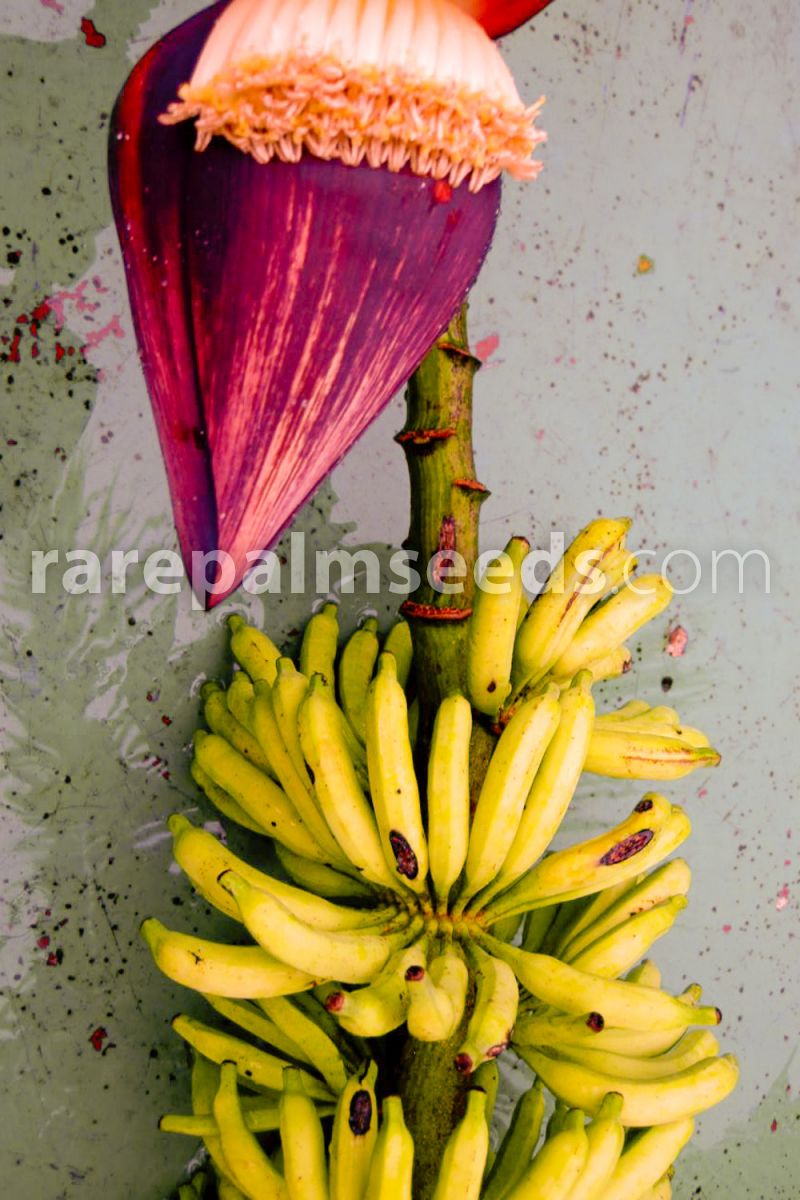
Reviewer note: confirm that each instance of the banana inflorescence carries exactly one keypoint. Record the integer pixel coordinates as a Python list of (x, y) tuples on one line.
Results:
[(403, 901)]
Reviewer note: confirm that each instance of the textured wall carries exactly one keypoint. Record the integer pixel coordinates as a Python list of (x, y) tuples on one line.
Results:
[(638, 318)]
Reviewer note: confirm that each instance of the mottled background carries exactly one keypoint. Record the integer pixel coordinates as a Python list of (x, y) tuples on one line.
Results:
[(638, 321)]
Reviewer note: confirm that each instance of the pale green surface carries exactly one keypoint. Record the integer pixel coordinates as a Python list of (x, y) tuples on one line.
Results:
[(675, 401)]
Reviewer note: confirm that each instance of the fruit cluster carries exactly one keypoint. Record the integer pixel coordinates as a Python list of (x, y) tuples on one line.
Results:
[(420, 896)]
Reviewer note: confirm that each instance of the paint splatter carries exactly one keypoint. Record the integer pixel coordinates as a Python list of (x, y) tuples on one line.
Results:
[(54, 4), (97, 1037), (677, 640), (486, 347), (644, 264), (55, 958), (782, 898), (774, 1125), (91, 34), (727, 928)]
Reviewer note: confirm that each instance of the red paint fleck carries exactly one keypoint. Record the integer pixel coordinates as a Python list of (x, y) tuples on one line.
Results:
[(54, 4), (91, 35), (442, 191), (487, 346), (727, 928), (13, 353), (165, 720), (153, 696), (22, 319), (41, 311), (774, 1125), (59, 352), (99, 335), (55, 958), (677, 640), (97, 1037), (34, 351), (539, 435), (43, 942), (702, 793), (11, 441), (782, 898)]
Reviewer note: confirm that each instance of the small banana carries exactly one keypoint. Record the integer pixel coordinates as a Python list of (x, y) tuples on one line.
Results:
[(253, 1019), (354, 675), (645, 1101), (617, 662), (399, 643), (240, 696), (448, 794), (557, 1166), (492, 1022), (381, 1006), (493, 627), (617, 950), (691, 1048), (223, 801), (221, 720), (205, 1085), (392, 1162), (319, 644), (252, 1171), (355, 1129), (508, 780), (432, 1015), (323, 880), (553, 785), (605, 1136), (341, 797), (288, 693), (619, 1003), (302, 1141), (613, 622), (322, 1053), (631, 754), (254, 1065), (464, 1158), (238, 972), (253, 791), (647, 972), (393, 782), (518, 1145), (354, 957), (449, 972), (253, 650), (553, 618)]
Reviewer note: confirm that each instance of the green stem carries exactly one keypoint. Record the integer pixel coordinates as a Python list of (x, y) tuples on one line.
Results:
[(445, 505)]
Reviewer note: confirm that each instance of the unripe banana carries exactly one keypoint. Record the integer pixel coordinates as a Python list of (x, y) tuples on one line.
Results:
[(492, 628), (605, 1136), (448, 794), (253, 650), (323, 1054), (557, 1166), (323, 880), (518, 1145), (399, 644), (240, 696), (254, 1020), (691, 1048)]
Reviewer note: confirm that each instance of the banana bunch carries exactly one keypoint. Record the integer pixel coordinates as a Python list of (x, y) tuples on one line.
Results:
[(313, 1151), (408, 901)]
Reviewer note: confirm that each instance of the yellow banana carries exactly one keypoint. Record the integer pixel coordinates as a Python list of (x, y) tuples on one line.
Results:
[(320, 642), (626, 712), (691, 1048), (431, 1016), (238, 972), (221, 720), (205, 1085), (316, 877), (448, 794), (392, 779), (553, 785), (253, 791), (392, 1162), (646, 1159), (645, 1101), (253, 650), (617, 950), (227, 1190), (622, 754), (670, 879), (380, 1007), (613, 622), (204, 858), (646, 972), (266, 730), (629, 1005), (341, 798), (399, 643), (259, 1115), (240, 696), (617, 662), (449, 972), (255, 1066), (354, 675), (553, 618), (302, 1141), (354, 957), (223, 800), (252, 1171), (487, 1078), (508, 780), (493, 627), (288, 693), (464, 1157), (618, 568), (355, 1129), (518, 1145), (605, 1137), (323, 1053), (492, 1022), (557, 1166), (254, 1020), (649, 835)]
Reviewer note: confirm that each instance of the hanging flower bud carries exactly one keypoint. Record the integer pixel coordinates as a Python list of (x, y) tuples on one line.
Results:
[(304, 194)]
